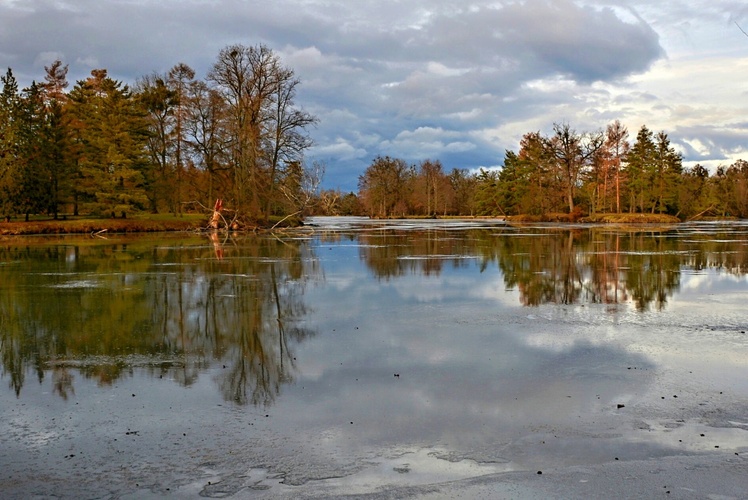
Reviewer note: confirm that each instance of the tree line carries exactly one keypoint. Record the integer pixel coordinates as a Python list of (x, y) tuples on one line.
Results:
[(566, 172), (169, 143), (172, 143)]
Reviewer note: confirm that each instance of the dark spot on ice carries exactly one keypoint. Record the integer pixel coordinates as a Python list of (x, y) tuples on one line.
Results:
[(619, 405), (133, 395), (540, 472), (675, 396), (702, 435), (716, 446), (616, 458)]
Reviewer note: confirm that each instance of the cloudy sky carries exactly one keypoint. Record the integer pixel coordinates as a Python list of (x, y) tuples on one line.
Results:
[(456, 80)]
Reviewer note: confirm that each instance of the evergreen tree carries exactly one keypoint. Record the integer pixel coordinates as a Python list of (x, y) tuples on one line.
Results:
[(33, 194), (513, 184), (111, 135), (639, 170), (9, 153), (666, 176), (487, 194), (57, 143)]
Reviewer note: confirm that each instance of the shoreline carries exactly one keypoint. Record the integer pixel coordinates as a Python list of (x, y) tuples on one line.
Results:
[(191, 223)]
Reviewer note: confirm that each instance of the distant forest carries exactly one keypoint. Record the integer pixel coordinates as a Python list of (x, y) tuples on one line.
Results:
[(565, 173), (173, 143)]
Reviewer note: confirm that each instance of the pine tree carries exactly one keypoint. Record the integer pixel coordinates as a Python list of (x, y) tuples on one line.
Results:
[(9, 121), (667, 173), (111, 135), (639, 170), (57, 144)]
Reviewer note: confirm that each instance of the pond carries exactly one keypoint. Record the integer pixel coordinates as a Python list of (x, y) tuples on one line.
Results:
[(355, 355)]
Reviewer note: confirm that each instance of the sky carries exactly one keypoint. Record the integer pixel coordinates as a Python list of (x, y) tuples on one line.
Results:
[(458, 81)]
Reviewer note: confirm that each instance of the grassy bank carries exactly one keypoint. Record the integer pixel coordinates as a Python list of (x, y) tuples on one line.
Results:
[(144, 223), (597, 218), (83, 225), (631, 219)]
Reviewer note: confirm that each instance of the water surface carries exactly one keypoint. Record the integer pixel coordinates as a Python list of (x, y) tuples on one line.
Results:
[(357, 354)]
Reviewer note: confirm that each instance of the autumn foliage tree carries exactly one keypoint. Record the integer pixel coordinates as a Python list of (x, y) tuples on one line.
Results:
[(265, 131), (383, 187)]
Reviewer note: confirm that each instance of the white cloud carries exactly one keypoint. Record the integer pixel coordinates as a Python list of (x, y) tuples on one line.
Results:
[(427, 142), (340, 149)]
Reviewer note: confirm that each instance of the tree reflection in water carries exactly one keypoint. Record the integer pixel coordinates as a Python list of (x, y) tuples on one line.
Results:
[(560, 265), (168, 307), (181, 307)]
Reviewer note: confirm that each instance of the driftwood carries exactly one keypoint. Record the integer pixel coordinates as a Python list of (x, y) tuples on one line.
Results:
[(700, 213), (215, 220)]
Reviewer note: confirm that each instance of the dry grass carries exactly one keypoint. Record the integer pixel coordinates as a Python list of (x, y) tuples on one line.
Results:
[(87, 226), (631, 219)]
